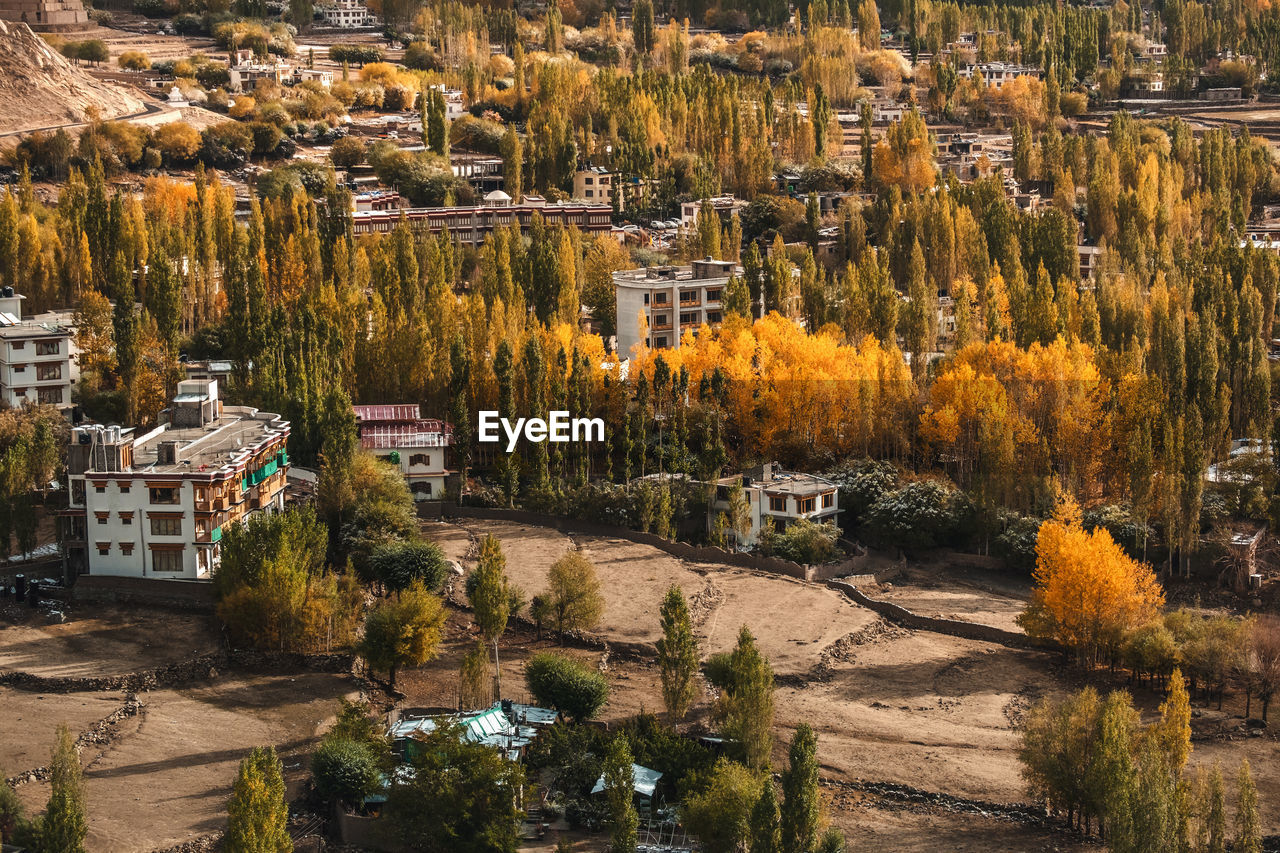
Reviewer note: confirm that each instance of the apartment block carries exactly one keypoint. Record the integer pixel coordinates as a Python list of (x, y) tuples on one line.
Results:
[(657, 304), (155, 505), (35, 357)]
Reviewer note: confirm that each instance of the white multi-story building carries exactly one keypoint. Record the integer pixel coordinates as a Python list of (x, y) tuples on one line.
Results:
[(35, 357), (347, 14), (782, 497), (155, 505), (657, 304), (418, 446), (997, 73)]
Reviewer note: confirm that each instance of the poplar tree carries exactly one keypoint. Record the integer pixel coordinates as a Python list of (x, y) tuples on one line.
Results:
[(489, 592), (1248, 827), (764, 822), (64, 827), (677, 654), (744, 710), (800, 803), (258, 817), (619, 790)]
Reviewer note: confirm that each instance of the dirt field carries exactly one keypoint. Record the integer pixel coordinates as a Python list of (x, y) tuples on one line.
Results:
[(970, 596), (100, 641), (635, 577)]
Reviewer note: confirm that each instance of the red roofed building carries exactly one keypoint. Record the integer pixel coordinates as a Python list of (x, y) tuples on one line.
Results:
[(420, 446)]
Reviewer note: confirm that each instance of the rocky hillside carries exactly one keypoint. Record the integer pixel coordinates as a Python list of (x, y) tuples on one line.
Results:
[(39, 88)]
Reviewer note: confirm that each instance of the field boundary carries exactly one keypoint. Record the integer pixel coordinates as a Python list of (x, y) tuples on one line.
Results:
[(439, 510), (954, 627)]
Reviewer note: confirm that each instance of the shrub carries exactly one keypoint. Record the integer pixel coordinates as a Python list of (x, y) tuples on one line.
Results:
[(923, 514), (344, 770), (347, 152), (134, 60), (804, 541), (398, 564), (572, 688)]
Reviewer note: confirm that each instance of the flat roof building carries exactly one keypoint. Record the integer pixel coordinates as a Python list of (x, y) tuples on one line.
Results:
[(155, 505), (35, 357), (657, 304), (782, 497)]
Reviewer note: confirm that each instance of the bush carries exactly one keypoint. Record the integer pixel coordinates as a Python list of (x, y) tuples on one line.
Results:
[(1016, 543), (398, 564), (344, 770), (469, 133), (134, 60), (923, 514), (804, 541), (717, 670), (572, 688), (861, 484), (347, 152)]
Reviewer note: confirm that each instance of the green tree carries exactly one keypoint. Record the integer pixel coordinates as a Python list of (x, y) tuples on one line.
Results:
[(345, 771), (257, 815), (489, 592), (572, 688), (642, 27), (573, 594), (404, 630), (744, 709), (619, 791), (398, 564), (64, 827), (765, 837), (677, 654), (719, 815), (460, 798), (800, 803), (1248, 827)]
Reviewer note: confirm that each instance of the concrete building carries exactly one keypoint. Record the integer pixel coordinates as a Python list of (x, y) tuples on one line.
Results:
[(346, 14), (418, 446), (725, 205), (470, 225), (777, 496), (47, 16), (670, 299), (156, 505), (596, 184), (35, 357), (997, 73)]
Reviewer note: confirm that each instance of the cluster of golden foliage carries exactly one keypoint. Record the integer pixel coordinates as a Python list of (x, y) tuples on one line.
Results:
[(1089, 594), (787, 385)]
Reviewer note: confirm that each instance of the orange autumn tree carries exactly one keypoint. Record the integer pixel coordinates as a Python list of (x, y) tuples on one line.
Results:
[(1088, 592)]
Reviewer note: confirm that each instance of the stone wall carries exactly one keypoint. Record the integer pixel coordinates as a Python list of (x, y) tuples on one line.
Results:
[(180, 594), (683, 550), (954, 627)]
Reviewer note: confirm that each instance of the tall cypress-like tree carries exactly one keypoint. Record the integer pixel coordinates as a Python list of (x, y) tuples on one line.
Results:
[(460, 408), (745, 708), (1248, 827), (677, 654), (800, 803), (619, 791), (64, 826), (764, 821), (258, 817), (490, 594)]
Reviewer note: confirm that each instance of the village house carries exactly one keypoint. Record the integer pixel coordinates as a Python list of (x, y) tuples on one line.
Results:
[(35, 357), (670, 299), (416, 445), (775, 496)]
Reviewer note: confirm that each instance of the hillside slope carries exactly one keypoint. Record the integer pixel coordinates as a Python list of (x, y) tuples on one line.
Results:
[(39, 88)]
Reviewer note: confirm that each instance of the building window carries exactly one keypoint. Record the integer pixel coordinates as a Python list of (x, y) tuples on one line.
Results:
[(659, 320), (48, 347), (588, 181), (124, 489), (102, 519), (51, 396), (420, 459), (48, 372), (713, 294), (806, 505), (126, 518), (590, 194), (166, 527), (126, 548), (646, 299), (20, 345), (777, 504), (77, 491), (166, 561), (828, 500), (660, 342), (100, 488), (21, 368), (104, 548), (713, 317), (688, 318), (660, 298), (164, 495)]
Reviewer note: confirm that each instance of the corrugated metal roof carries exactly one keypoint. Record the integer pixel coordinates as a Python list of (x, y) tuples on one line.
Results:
[(424, 433), (388, 412), (644, 780)]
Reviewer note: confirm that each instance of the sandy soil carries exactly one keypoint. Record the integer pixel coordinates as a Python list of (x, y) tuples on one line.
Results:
[(950, 593), (100, 640), (166, 777), (29, 721), (634, 578)]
